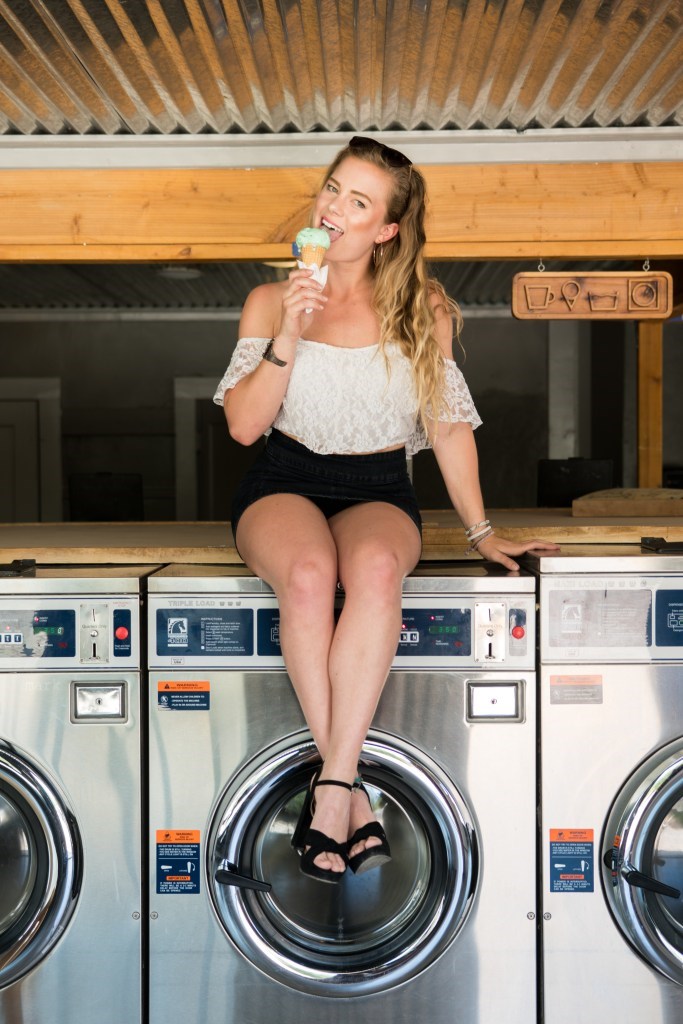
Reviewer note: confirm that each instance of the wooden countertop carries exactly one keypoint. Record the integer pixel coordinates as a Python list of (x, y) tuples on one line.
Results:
[(212, 543)]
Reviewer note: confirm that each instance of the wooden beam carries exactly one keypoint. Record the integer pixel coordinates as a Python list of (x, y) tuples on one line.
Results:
[(675, 268), (492, 211), (650, 404)]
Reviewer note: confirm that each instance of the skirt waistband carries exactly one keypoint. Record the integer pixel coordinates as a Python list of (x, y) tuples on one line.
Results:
[(396, 456)]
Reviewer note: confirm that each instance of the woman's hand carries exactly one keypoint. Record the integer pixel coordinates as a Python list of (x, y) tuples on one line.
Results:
[(497, 549), (302, 297)]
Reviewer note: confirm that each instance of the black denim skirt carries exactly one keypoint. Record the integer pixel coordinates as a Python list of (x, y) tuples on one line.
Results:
[(332, 482)]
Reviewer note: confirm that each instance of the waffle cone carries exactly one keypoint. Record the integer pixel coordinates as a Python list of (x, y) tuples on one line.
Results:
[(312, 255)]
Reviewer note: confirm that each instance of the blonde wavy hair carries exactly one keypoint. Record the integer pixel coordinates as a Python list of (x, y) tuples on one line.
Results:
[(404, 294)]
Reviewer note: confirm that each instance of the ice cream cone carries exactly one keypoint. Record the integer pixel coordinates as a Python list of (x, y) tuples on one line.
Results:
[(313, 255)]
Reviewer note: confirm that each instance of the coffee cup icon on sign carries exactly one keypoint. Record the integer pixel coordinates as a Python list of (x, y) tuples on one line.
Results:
[(538, 296)]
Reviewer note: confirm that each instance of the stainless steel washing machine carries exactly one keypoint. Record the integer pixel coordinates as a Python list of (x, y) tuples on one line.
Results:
[(446, 932), (611, 716), (70, 797)]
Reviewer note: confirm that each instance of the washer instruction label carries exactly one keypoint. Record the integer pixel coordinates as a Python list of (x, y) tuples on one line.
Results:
[(600, 618), (572, 860), (184, 694), (177, 861), (214, 632), (576, 689)]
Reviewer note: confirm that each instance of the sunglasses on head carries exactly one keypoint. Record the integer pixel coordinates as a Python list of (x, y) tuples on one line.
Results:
[(392, 156)]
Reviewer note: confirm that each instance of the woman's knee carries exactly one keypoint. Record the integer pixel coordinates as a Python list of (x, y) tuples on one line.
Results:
[(374, 567), (310, 579)]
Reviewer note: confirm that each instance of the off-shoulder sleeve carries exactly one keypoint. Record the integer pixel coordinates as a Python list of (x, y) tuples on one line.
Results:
[(458, 404), (458, 407), (246, 357)]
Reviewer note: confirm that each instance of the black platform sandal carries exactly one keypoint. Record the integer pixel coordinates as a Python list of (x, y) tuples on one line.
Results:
[(316, 842), (373, 856), (305, 815)]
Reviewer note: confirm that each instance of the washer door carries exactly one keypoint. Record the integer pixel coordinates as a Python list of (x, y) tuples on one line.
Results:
[(372, 931), (644, 877), (40, 858)]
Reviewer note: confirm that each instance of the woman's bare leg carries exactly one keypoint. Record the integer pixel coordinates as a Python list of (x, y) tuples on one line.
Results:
[(285, 539), (377, 545), (338, 675)]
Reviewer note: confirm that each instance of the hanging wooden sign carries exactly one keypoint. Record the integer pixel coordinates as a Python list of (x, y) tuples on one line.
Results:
[(592, 295)]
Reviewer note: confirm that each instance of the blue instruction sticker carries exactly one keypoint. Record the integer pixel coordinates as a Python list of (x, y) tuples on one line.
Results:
[(177, 861), (268, 632), (669, 618), (572, 858)]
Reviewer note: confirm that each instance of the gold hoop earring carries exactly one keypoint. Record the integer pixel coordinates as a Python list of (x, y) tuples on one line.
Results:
[(377, 254)]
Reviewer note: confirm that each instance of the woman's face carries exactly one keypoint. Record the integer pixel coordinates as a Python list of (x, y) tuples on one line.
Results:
[(352, 208)]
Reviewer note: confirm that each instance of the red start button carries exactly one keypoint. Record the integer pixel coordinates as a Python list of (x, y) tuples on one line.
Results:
[(518, 632), (121, 633)]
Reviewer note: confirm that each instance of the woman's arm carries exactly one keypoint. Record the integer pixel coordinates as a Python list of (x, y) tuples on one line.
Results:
[(456, 454), (271, 311)]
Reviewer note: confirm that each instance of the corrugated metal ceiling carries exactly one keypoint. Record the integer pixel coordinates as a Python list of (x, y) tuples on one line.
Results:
[(169, 67), (216, 288), (165, 66)]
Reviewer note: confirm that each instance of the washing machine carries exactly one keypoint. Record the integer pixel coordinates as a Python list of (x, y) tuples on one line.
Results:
[(611, 726), (70, 796), (446, 931)]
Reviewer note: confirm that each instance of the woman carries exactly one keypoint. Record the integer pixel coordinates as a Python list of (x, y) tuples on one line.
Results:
[(351, 376)]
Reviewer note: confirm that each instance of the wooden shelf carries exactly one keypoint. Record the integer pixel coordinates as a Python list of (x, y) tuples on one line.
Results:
[(212, 543)]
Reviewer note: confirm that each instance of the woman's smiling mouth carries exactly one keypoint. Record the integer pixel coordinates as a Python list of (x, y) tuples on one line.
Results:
[(334, 231)]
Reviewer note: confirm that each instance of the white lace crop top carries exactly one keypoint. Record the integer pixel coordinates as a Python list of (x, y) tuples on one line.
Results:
[(342, 400)]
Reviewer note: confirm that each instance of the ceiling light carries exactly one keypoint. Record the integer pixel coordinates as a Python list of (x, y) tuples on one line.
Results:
[(179, 272)]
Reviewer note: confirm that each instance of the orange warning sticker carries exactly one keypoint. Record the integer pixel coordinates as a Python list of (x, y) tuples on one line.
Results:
[(177, 835), (576, 680), (183, 686), (571, 835)]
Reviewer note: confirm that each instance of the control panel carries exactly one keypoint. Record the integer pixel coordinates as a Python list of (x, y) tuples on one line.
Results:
[(65, 632), (436, 632)]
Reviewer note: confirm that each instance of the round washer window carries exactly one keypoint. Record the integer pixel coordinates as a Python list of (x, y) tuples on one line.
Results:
[(19, 839), (371, 931), (39, 853), (644, 878)]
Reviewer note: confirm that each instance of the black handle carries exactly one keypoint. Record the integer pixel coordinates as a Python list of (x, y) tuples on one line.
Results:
[(641, 881), (228, 875), (660, 545), (19, 567)]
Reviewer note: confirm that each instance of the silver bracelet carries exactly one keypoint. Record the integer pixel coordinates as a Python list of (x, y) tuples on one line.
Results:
[(480, 533), (476, 526), (474, 545)]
